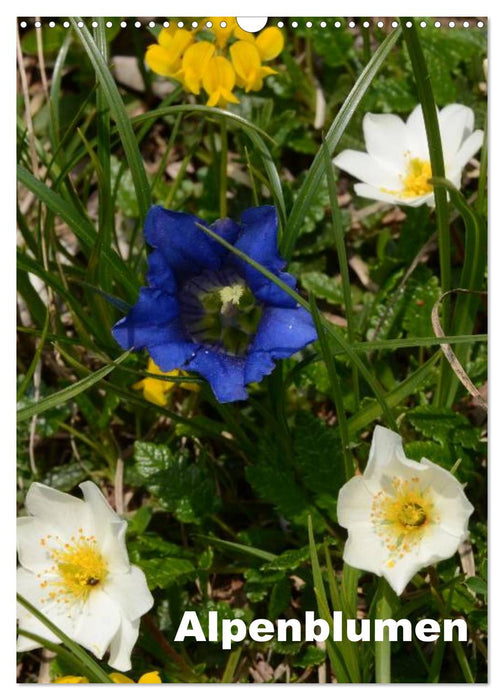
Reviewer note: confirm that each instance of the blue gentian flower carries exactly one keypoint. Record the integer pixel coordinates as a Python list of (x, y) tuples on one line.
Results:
[(207, 310)]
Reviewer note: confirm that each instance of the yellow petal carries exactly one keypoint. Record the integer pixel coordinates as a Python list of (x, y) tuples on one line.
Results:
[(222, 34), (218, 81), (194, 64), (152, 677), (165, 36), (162, 61), (247, 64), (270, 43), (71, 679), (119, 678)]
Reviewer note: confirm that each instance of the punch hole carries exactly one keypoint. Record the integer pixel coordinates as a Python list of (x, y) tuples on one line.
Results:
[(94, 24), (138, 25), (38, 24), (379, 24), (108, 24), (180, 24), (351, 24), (323, 24), (437, 24), (394, 24), (194, 24), (152, 25), (365, 24), (309, 25), (52, 24), (23, 25), (66, 24), (451, 24), (337, 25), (124, 25), (294, 24), (423, 24), (252, 24), (280, 24), (480, 25)]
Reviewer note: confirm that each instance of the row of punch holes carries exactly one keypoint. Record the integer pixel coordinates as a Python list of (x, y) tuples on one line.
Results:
[(351, 24)]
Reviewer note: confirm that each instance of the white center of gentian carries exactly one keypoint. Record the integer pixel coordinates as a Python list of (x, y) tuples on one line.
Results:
[(219, 311), (401, 516)]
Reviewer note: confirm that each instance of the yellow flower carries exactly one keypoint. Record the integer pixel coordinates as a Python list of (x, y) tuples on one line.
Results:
[(195, 64), (151, 677), (157, 390), (219, 81), (269, 42), (247, 64), (235, 58), (165, 57), (222, 34)]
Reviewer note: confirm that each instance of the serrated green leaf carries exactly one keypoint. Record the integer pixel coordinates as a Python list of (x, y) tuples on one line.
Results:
[(183, 488), (163, 572), (323, 287)]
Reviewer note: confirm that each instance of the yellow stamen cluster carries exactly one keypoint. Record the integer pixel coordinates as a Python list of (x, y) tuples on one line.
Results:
[(229, 57), (78, 568), (401, 516), (416, 181)]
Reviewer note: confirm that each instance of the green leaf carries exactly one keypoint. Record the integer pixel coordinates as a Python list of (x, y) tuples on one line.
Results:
[(183, 488), (323, 287), (288, 560), (163, 572), (317, 448), (312, 656), (417, 313)]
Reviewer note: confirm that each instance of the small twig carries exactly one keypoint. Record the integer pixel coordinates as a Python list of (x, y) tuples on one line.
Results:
[(448, 352), (26, 96), (40, 53)]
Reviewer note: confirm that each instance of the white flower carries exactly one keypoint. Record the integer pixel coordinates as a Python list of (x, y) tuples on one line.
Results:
[(75, 570), (401, 515), (396, 167)]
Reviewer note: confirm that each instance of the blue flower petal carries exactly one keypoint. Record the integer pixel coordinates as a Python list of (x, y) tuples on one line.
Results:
[(225, 373), (259, 241), (159, 274), (259, 364), (154, 323), (186, 249), (282, 332)]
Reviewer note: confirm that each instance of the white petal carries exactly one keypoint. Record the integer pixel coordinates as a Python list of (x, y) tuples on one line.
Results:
[(467, 150), (364, 549), (59, 510), (386, 453), (109, 528), (386, 140), (450, 501), (98, 623), (131, 592), (417, 136), (364, 167), (370, 192), (456, 122), (122, 644), (32, 553), (354, 502), (438, 544), (28, 585), (402, 572)]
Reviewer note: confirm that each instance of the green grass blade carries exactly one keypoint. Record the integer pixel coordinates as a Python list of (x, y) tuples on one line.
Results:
[(335, 656), (82, 227), (336, 131), (339, 242), (335, 389), (118, 111), (69, 392)]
